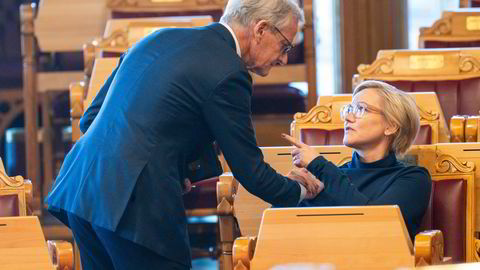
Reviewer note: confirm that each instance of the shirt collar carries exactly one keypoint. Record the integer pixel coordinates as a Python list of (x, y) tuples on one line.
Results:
[(234, 38), (389, 161)]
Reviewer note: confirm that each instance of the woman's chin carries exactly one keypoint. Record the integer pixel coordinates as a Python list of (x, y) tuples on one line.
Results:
[(348, 143)]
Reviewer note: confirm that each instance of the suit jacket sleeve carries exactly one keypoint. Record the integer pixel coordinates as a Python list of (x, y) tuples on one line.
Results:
[(92, 110), (227, 113)]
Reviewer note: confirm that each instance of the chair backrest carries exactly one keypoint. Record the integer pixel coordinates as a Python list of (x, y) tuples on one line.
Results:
[(15, 192), (456, 28), (454, 74), (322, 125), (249, 209), (458, 162)]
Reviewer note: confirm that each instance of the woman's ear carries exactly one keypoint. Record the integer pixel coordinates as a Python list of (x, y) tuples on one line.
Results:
[(391, 129)]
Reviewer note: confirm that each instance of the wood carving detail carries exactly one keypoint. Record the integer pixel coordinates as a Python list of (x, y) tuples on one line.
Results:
[(447, 163), (477, 250), (379, 66), (318, 114), (118, 39), (469, 63), (428, 115), (120, 3), (7, 181), (441, 27)]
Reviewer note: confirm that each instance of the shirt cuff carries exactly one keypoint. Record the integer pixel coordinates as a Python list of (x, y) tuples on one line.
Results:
[(303, 193)]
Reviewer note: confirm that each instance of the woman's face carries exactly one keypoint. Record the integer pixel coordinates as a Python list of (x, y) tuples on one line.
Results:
[(365, 125)]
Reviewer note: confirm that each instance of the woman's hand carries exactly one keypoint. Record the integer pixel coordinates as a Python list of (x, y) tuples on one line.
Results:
[(302, 154)]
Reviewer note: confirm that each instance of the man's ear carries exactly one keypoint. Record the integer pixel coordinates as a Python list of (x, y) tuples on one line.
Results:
[(391, 129), (259, 29)]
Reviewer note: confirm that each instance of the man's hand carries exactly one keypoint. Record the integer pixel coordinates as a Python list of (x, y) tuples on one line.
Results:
[(187, 186), (303, 154), (308, 180)]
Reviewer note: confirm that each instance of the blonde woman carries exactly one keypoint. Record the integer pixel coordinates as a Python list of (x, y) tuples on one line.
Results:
[(380, 124)]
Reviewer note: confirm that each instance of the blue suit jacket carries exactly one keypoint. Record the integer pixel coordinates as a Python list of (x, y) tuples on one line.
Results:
[(174, 92)]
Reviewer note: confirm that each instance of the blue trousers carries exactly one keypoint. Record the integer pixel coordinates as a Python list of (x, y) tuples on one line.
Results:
[(103, 250)]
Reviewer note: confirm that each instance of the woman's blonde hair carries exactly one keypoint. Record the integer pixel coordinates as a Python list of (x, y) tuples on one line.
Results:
[(399, 109)]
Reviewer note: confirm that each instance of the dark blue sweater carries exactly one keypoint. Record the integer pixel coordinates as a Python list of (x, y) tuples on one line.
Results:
[(384, 182)]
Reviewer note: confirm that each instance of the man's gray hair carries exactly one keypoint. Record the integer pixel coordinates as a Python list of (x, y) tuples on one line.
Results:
[(246, 12)]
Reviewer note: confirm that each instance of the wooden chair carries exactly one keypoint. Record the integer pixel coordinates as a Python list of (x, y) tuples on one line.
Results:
[(454, 74), (240, 212), (15, 200), (322, 125), (458, 28), (465, 153)]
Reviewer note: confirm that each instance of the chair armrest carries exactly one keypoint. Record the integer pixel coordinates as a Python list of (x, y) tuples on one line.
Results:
[(457, 128), (226, 189), (429, 248), (61, 253), (243, 251), (471, 128), (77, 95)]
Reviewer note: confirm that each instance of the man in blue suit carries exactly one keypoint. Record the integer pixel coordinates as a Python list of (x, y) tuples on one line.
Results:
[(175, 92)]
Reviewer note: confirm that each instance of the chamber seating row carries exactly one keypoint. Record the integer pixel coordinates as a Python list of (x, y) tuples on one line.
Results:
[(452, 210)]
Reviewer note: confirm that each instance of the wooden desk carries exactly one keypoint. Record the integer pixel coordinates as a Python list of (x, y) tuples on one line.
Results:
[(22, 244)]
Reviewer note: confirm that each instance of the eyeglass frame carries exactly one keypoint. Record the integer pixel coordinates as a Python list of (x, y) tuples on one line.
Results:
[(286, 48), (367, 108)]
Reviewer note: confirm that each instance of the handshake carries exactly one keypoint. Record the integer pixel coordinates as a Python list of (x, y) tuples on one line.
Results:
[(302, 156)]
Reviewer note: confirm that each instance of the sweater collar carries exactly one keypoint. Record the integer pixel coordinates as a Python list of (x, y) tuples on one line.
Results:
[(388, 161)]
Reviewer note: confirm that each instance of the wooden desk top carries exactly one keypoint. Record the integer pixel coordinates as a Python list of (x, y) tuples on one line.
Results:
[(22, 244)]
